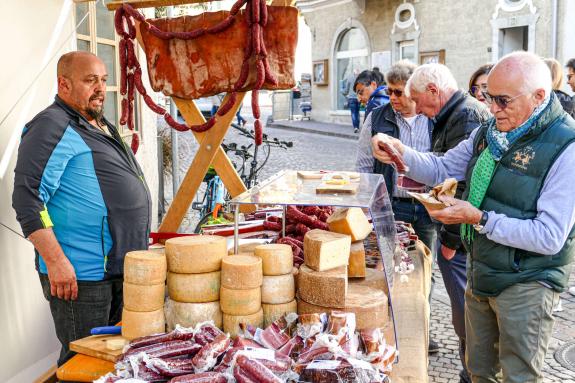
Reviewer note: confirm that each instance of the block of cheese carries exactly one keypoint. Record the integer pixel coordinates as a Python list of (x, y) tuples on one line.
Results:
[(232, 322), (240, 302), (190, 314), (195, 254), (324, 250), (241, 272), (356, 266), (194, 288), (144, 298), (369, 305), (323, 288), (145, 267), (245, 248), (277, 258), (373, 278), (278, 289), (351, 221), (273, 312), (136, 324)]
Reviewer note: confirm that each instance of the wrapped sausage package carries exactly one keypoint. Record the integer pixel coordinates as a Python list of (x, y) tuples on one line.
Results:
[(431, 200)]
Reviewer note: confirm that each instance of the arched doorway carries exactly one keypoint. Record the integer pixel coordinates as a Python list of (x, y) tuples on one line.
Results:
[(351, 56)]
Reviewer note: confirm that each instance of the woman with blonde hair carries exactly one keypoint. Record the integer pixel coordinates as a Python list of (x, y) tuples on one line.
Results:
[(557, 81)]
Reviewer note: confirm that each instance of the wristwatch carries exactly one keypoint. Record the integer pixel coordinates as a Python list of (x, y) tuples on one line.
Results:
[(479, 226)]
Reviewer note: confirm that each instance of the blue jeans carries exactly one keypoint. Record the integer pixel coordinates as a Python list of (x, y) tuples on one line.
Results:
[(353, 104)]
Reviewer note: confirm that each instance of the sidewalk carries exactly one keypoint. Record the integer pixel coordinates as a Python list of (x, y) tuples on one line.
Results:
[(307, 126)]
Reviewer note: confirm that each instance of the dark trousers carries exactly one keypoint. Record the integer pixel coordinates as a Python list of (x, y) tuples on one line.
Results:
[(455, 278), (353, 104), (98, 304)]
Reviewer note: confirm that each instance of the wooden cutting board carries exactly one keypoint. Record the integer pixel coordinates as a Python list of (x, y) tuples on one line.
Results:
[(350, 188), (95, 346)]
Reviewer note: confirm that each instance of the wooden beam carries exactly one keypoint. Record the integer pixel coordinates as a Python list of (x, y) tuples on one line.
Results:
[(49, 376), (115, 4)]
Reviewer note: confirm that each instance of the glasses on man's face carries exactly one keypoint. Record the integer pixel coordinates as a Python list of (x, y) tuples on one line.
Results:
[(477, 88), (501, 101), (396, 92)]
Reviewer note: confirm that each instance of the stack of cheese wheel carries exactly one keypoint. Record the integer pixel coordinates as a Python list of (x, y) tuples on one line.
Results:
[(240, 292), (278, 287), (144, 293), (194, 264)]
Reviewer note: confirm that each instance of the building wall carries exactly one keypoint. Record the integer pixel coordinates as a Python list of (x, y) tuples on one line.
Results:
[(36, 33), (462, 28)]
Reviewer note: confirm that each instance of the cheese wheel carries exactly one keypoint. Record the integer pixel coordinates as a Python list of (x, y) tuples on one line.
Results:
[(240, 302), (373, 278), (137, 324), (145, 267), (277, 259), (368, 304), (278, 289), (245, 248), (241, 272), (323, 288), (144, 298), (190, 314), (324, 250), (274, 312), (232, 322), (195, 254), (194, 288), (351, 221)]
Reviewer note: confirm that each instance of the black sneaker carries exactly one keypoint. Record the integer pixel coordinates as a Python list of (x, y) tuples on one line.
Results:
[(355, 130), (433, 347)]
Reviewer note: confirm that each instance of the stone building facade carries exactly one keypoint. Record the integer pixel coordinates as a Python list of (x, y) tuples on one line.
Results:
[(353, 35)]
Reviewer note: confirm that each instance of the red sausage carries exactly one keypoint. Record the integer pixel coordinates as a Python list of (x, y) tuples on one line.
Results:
[(152, 105), (259, 132), (124, 117)]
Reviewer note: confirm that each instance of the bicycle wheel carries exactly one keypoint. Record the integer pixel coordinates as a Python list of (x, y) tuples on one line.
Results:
[(202, 222)]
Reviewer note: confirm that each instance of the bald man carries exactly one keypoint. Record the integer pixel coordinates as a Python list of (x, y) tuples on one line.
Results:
[(81, 199), (517, 216)]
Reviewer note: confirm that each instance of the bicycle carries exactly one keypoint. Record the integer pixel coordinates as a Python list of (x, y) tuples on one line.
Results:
[(213, 205)]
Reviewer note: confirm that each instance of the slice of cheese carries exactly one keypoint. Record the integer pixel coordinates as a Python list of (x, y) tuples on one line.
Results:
[(351, 221), (369, 305), (145, 267), (324, 250), (232, 322), (323, 288), (195, 254), (356, 266), (277, 258), (274, 312), (241, 272), (190, 314), (194, 288), (374, 279), (137, 324), (116, 343), (278, 289), (144, 298), (240, 302)]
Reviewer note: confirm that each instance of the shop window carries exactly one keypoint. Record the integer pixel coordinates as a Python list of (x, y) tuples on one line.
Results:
[(351, 57), (407, 51)]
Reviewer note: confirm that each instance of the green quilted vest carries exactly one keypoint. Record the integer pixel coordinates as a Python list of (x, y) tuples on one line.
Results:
[(514, 191)]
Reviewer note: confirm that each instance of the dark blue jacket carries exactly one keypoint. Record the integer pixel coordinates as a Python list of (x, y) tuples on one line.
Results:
[(377, 99), (84, 184)]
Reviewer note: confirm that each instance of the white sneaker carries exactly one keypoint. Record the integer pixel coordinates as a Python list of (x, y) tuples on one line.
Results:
[(558, 307), (572, 290)]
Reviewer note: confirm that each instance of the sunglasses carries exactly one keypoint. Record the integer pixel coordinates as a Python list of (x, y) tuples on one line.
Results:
[(396, 92), (501, 101)]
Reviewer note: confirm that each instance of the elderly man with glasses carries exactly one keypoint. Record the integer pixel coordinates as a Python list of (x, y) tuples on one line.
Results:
[(517, 216)]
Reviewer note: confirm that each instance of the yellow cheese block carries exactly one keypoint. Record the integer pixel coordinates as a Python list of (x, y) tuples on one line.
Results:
[(324, 250), (232, 322), (241, 272), (369, 305), (351, 221), (240, 302), (190, 314), (277, 258), (137, 324), (323, 288), (144, 298), (278, 289), (194, 288), (195, 254), (273, 312), (145, 267), (356, 266)]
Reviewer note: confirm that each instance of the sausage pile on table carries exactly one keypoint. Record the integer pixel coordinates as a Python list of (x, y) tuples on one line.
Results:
[(305, 348)]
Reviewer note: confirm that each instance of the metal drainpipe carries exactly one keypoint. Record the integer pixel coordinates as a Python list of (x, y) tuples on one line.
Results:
[(554, 29), (174, 136)]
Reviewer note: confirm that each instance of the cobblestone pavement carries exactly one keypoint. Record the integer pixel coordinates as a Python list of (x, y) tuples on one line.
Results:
[(311, 151)]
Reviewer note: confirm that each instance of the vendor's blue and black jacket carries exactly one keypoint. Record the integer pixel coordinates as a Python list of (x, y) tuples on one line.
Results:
[(84, 184)]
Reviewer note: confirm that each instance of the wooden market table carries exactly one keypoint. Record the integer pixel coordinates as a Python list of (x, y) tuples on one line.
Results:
[(411, 311)]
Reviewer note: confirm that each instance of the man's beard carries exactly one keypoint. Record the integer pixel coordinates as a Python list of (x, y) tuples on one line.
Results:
[(96, 113)]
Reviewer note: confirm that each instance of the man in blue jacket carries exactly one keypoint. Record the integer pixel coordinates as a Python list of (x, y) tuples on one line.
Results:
[(369, 92), (82, 201)]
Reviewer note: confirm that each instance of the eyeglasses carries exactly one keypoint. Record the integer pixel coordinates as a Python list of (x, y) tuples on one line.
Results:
[(501, 101), (396, 92), (475, 88)]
